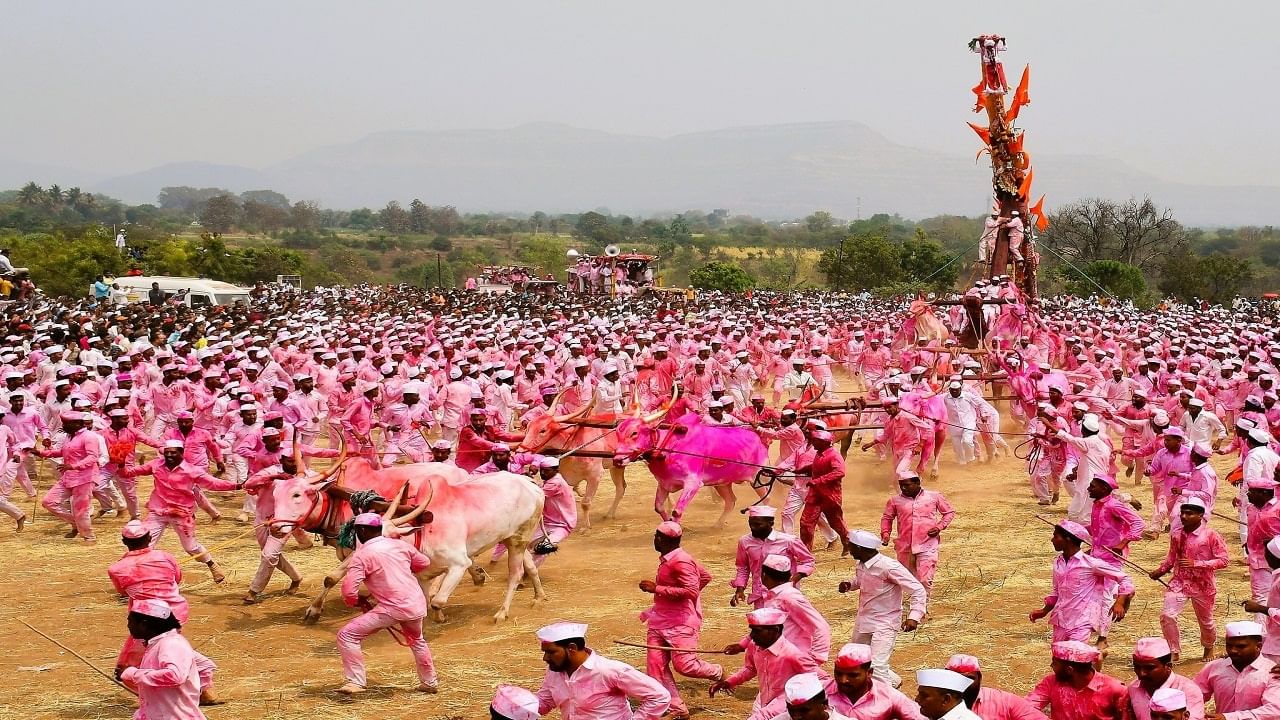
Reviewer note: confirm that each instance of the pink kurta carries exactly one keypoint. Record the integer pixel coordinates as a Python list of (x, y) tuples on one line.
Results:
[(167, 680), (752, 552), (1249, 694), (1104, 698), (916, 516), (386, 567), (1140, 699), (774, 666), (806, 628), (598, 690)]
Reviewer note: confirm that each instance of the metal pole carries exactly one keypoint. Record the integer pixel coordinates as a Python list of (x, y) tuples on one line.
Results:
[(439, 275)]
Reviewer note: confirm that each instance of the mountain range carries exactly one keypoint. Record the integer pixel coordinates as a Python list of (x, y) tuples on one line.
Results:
[(773, 172)]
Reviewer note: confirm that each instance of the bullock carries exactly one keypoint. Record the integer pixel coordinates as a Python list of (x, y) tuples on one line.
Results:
[(684, 454), (594, 439), (455, 516)]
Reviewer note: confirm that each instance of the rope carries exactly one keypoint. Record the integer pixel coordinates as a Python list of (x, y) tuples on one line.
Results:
[(1082, 273), (953, 259)]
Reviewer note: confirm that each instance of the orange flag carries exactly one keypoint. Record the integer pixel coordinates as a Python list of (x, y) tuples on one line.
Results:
[(1024, 189), (977, 91), (1042, 221), (983, 133), (1021, 96)]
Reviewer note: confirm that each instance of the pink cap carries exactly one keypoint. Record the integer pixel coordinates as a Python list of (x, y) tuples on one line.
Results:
[(515, 703), (963, 664), (670, 529), (1168, 700), (1107, 480), (853, 655), (908, 474), (1260, 483), (1151, 648), (1076, 529), (1175, 431), (762, 511), (781, 563), (184, 415), (133, 530), (174, 444), (1075, 651), (822, 435), (368, 520), (766, 616), (152, 608)]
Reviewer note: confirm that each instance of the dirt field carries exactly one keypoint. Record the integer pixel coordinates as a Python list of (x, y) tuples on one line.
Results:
[(995, 569)]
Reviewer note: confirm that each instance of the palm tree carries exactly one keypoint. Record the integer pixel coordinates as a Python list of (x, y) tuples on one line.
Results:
[(55, 194), (72, 195), (31, 194)]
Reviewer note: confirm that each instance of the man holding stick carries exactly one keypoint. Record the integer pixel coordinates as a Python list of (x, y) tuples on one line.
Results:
[(1196, 552)]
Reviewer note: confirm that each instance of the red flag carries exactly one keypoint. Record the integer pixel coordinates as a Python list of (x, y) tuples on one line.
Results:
[(1025, 188), (1042, 221), (983, 133), (977, 91)]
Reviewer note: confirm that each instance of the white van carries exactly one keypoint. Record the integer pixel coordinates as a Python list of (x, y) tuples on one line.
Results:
[(201, 292)]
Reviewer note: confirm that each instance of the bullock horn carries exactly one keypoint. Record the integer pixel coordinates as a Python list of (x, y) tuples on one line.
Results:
[(395, 503), (653, 417), (414, 513), (297, 452), (576, 414), (342, 457), (556, 402)]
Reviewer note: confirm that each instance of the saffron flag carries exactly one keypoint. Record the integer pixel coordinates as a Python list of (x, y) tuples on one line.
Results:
[(983, 133), (977, 91), (1042, 221), (1024, 189), (1021, 96)]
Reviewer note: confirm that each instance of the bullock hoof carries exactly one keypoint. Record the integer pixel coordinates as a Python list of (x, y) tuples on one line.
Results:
[(479, 575), (311, 616), (499, 616)]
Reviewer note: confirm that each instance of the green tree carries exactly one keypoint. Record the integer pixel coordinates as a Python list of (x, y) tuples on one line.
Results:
[(924, 261), (544, 252), (220, 214), (304, 215), (726, 277), (419, 216), (266, 197), (1224, 276), (31, 195), (394, 218), (819, 222), (362, 219), (861, 262), (1122, 280), (678, 231)]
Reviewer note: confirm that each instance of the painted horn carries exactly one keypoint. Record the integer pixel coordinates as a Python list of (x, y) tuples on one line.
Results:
[(653, 417)]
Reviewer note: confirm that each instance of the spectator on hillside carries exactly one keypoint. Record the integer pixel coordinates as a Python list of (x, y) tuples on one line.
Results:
[(101, 291)]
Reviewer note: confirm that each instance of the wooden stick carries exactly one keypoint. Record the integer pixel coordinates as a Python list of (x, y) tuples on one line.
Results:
[(664, 647), (1235, 520), (78, 656)]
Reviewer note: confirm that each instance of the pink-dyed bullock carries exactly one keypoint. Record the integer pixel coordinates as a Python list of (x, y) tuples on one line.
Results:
[(684, 454)]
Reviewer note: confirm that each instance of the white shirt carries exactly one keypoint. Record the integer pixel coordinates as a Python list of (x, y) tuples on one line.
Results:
[(1204, 429)]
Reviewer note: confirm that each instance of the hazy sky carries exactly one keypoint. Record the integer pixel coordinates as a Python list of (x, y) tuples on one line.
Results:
[(1186, 90)]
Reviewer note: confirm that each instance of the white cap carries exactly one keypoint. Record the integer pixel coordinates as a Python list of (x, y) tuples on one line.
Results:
[(802, 688), (781, 563), (1091, 423), (1244, 628), (1274, 546), (562, 631), (944, 679), (864, 539), (177, 444)]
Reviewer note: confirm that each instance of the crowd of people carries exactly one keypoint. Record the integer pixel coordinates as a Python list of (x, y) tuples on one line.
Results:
[(234, 398)]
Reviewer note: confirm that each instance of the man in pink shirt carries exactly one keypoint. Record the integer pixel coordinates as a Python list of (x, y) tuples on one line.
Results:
[(1196, 553), (881, 581), (1076, 690), (82, 461), (387, 568), (675, 619), (173, 499), (146, 573), (559, 511), (990, 703), (584, 685), (854, 692), (921, 515), (1153, 666), (168, 676), (904, 433), (806, 627), (1243, 685), (770, 657), (760, 542)]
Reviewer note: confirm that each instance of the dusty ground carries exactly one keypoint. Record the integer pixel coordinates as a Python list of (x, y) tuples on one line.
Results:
[(995, 569)]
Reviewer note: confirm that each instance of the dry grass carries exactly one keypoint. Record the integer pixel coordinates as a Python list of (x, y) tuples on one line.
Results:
[(995, 570)]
